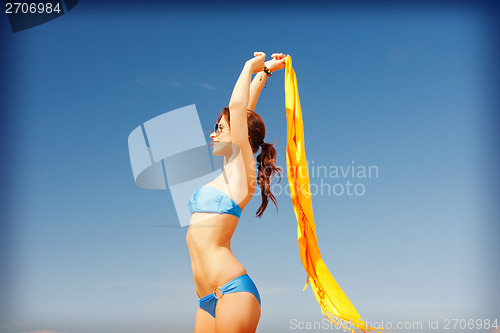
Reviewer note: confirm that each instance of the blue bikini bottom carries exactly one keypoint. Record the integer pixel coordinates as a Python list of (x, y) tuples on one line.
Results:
[(242, 283)]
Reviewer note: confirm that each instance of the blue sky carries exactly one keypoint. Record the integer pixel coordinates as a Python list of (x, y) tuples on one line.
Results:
[(404, 90)]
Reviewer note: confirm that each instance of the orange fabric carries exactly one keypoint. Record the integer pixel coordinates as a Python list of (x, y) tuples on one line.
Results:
[(333, 301)]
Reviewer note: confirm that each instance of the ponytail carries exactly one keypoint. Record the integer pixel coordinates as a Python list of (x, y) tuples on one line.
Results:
[(268, 168)]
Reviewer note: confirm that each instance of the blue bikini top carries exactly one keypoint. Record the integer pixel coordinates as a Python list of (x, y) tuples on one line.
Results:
[(209, 199)]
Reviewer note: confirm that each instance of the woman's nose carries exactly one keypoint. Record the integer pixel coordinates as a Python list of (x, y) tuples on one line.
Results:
[(212, 135)]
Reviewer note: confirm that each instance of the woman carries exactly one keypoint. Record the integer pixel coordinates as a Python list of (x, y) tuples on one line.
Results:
[(229, 300)]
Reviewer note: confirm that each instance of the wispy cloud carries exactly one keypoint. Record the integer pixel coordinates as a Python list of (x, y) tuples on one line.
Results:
[(206, 85), (175, 83), (42, 332), (153, 82), (140, 80), (115, 284), (19, 326), (170, 284)]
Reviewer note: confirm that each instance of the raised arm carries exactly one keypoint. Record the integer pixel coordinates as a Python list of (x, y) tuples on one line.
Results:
[(277, 62), (255, 88), (240, 99), (243, 94)]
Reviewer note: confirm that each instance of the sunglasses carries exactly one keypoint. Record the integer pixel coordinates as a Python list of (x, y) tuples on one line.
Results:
[(218, 128)]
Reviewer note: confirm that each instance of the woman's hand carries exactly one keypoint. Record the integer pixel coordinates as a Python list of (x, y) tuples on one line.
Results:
[(256, 64), (277, 62)]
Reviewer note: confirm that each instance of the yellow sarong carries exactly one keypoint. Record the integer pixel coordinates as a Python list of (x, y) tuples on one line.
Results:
[(333, 301)]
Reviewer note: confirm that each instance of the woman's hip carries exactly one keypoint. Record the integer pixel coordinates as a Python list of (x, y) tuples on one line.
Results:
[(206, 282)]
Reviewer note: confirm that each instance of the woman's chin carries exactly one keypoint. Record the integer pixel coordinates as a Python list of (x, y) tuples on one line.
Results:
[(222, 148), (216, 149)]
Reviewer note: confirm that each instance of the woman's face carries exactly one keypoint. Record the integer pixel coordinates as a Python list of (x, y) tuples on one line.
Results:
[(222, 138)]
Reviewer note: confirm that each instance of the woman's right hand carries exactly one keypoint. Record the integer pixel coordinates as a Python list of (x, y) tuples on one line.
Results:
[(256, 64)]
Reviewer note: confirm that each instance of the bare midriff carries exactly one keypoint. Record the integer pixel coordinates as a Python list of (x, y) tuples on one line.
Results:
[(209, 242)]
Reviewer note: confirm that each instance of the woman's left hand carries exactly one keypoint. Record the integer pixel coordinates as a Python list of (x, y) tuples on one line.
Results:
[(277, 62), (256, 64)]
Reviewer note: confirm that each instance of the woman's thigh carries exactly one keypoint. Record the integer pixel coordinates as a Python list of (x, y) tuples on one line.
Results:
[(204, 323), (237, 313)]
